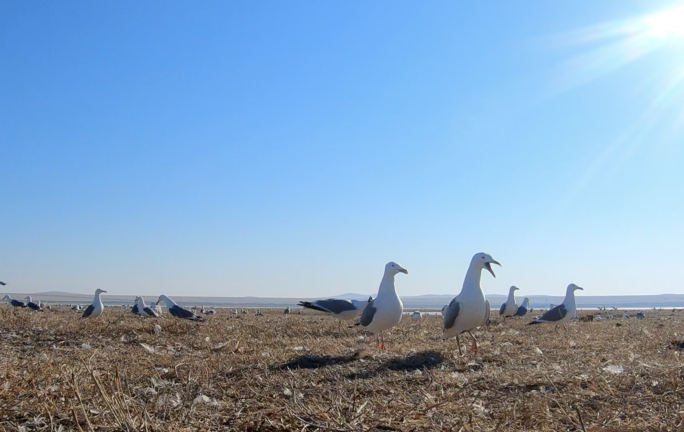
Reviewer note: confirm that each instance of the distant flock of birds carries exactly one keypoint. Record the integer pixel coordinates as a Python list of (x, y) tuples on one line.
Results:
[(467, 311)]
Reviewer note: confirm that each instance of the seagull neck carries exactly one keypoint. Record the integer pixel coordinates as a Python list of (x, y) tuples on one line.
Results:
[(97, 298), (569, 301), (511, 296), (387, 285), (472, 280)]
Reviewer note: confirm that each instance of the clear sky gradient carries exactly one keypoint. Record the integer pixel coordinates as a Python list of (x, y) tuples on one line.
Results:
[(230, 148)]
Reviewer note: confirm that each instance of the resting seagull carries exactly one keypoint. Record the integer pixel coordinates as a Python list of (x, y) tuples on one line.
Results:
[(145, 310), (509, 308), (156, 307), (341, 309), (31, 305), (176, 310), (96, 307), (563, 312), (385, 311), (15, 303), (469, 309), (136, 308), (522, 310)]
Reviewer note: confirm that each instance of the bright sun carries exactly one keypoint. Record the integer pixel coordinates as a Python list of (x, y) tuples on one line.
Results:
[(667, 24)]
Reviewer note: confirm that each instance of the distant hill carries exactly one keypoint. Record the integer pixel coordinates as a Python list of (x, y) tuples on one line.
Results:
[(428, 301)]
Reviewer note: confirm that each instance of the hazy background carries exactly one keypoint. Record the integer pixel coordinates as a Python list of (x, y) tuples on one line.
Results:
[(288, 149)]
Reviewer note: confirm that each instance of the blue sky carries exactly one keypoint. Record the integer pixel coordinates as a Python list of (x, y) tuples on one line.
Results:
[(293, 148)]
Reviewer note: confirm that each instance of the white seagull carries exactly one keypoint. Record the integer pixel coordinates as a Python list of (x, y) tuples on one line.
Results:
[(96, 308), (522, 310), (563, 312), (178, 311), (145, 310), (385, 311), (469, 309), (136, 308), (31, 305), (509, 308), (15, 303), (156, 307)]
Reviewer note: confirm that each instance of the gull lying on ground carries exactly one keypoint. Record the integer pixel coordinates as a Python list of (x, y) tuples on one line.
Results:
[(178, 311), (15, 303)]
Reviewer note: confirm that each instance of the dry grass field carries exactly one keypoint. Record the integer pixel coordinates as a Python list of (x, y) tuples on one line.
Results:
[(298, 373)]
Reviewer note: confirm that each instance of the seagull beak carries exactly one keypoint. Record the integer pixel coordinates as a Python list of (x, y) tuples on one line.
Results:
[(582, 289), (488, 266), (404, 271)]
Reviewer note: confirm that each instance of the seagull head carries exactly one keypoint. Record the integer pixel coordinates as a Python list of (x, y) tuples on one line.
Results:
[(29, 299), (514, 288), (394, 268), (573, 287), (484, 260), (99, 291), (7, 297)]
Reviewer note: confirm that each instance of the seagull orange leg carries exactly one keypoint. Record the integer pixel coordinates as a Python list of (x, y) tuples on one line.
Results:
[(458, 344), (473, 345)]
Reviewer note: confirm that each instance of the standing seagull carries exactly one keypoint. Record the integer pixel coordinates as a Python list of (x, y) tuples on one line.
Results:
[(15, 303), (341, 309), (509, 308), (176, 310), (96, 308), (145, 310), (563, 312), (385, 311), (522, 310), (468, 310), (32, 305)]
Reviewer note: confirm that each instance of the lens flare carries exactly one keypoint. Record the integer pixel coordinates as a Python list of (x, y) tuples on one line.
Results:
[(666, 25)]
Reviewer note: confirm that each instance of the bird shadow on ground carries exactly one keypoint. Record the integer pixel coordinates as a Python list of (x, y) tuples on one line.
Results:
[(313, 361), (412, 362)]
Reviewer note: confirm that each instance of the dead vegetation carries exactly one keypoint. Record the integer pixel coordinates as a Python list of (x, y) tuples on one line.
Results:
[(297, 372)]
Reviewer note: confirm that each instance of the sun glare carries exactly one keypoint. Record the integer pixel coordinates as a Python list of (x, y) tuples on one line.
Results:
[(668, 24)]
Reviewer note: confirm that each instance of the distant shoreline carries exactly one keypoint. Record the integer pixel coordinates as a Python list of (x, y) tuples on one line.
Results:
[(423, 302)]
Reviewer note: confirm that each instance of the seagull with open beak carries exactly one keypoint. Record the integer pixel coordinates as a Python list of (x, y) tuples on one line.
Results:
[(469, 309)]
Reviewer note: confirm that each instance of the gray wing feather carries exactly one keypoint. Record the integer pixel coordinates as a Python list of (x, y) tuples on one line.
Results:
[(335, 306), (88, 311), (521, 311), (451, 314), (503, 308), (150, 312), (368, 314), (555, 314)]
